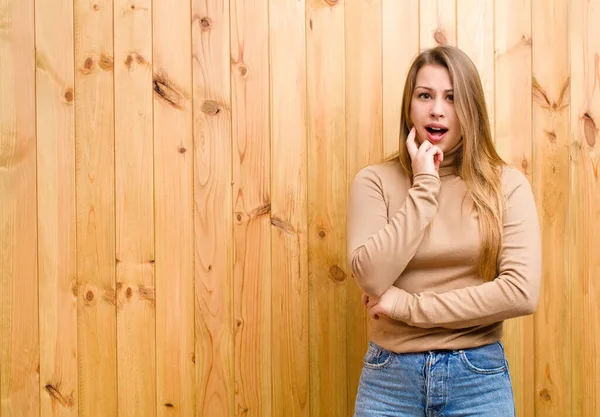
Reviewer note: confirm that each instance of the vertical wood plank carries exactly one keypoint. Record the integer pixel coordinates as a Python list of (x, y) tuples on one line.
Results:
[(289, 254), (213, 216), (513, 106), (400, 25), (475, 36), (134, 208), (173, 205), (364, 130), (327, 185), (584, 208), (56, 208), (550, 86), (19, 339), (94, 138), (252, 206), (437, 23)]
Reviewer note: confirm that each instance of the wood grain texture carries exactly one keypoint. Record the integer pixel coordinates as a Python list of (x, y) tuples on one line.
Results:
[(252, 207), (364, 132), (213, 217), (327, 185), (95, 176), (550, 85), (173, 207), (172, 216), (19, 339), (57, 256), (400, 43), (513, 133), (289, 247), (437, 23), (475, 36), (134, 193), (584, 208), (513, 103)]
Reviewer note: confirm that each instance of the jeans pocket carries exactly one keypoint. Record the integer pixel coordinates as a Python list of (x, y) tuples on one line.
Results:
[(486, 360), (377, 357)]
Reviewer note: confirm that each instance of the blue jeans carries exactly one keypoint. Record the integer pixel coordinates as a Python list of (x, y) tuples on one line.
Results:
[(448, 383)]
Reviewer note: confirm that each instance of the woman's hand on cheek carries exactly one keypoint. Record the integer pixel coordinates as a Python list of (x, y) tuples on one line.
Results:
[(426, 158), (382, 305)]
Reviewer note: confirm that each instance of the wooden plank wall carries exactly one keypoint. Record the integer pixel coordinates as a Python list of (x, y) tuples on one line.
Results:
[(173, 189)]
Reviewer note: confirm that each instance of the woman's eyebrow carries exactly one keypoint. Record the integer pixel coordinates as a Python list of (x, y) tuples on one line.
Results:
[(431, 89)]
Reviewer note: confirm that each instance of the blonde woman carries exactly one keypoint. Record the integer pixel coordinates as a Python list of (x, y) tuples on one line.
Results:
[(444, 242)]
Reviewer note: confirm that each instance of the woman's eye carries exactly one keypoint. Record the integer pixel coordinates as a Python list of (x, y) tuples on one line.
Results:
[(424, 95), (450, 97)]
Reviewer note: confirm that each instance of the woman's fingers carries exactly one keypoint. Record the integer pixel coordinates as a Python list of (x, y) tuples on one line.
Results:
[(411, 143), (435, 151), (425, 157), (372, 302)]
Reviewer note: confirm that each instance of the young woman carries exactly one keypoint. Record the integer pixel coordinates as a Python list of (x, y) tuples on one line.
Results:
[(444, 242)]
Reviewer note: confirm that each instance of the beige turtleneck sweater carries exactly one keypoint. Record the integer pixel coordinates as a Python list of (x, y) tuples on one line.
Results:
[(444, 303)]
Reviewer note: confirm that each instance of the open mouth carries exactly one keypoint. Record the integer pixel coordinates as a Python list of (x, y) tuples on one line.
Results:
[(436, 133)]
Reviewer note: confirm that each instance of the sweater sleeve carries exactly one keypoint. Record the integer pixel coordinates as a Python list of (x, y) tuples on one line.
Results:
[(514, 292), (379, 249)]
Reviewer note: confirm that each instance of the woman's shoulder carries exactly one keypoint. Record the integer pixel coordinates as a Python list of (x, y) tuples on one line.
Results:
[(382, 173), (513, 179)]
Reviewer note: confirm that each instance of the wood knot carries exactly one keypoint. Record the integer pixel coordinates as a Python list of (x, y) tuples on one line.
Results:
[(589, 129), (524, 164), (140, 60), (169, 94), (119, 286), (238, 322), (69, 95), (205, 24), (182, 149), (88, 64), (95, 7), (210, 107), (551, 135), (239, 217), (132, 7), (106, 62), (545, 395), (337, 274), (210, 268), (282, 225), (322, 234), (440, 37), (243, 70), (89, 296), (128, 292), (147, 293), (56, 395), (169, 405)]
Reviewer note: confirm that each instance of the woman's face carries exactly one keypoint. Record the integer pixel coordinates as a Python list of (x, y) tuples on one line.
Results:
[(432, 109)]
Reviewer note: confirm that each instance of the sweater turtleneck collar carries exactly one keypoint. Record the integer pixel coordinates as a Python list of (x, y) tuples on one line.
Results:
[(449, 165)]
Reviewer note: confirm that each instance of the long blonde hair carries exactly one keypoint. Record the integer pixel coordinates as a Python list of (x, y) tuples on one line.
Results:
[(478, 163)]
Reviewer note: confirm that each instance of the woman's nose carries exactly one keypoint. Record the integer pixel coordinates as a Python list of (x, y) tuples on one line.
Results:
[(437, 109)]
